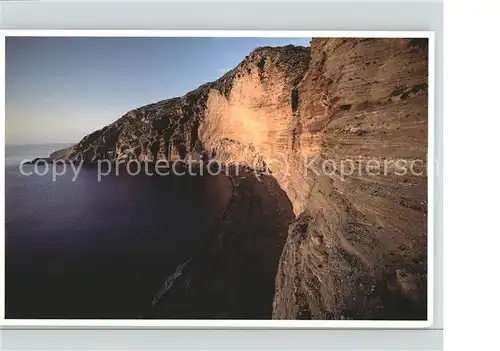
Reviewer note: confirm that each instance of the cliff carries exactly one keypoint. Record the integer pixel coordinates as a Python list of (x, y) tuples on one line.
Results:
[(358, 249), (357, 244)]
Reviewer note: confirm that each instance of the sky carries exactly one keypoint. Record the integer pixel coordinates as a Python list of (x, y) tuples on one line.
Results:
[(59, 89)]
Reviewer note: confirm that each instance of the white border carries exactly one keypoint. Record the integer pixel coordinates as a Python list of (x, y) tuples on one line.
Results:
[(197, 323)]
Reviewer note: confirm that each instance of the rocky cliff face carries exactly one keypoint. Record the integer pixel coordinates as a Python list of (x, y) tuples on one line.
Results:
[(358, 249), (243, 114), (358, 244)]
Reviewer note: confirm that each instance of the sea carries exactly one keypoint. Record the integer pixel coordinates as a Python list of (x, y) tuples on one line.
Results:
[(80, 248)]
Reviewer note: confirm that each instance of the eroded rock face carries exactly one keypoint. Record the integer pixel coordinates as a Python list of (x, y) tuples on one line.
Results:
[(239, 117), (357, 247)]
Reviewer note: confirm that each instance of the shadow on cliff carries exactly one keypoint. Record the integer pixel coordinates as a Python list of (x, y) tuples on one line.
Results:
[(232, 274)]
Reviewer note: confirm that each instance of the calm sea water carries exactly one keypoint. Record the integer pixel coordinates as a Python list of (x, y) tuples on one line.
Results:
[(89, 249)]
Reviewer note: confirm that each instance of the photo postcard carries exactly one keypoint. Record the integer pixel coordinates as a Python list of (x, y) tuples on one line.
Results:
[(218, 179)]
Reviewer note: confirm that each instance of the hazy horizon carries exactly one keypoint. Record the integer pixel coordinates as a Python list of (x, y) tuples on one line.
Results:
[(59, 89), (41, 143)]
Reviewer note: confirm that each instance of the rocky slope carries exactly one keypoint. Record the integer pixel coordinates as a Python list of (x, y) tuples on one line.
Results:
[(357, 246)]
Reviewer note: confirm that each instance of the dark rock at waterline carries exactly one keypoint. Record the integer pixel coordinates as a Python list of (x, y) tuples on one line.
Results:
[(59, 156), (40, 160), (62, 154)]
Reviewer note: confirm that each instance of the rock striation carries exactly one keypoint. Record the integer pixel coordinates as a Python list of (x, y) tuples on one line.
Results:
[(356, 246)]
